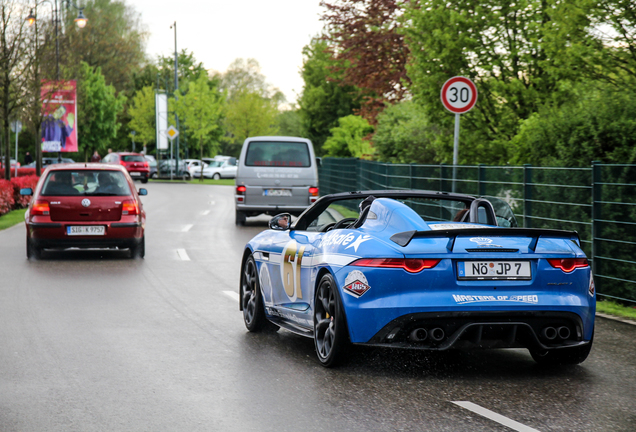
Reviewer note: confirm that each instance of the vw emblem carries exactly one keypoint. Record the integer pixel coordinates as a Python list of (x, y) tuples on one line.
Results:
[(86, 202)]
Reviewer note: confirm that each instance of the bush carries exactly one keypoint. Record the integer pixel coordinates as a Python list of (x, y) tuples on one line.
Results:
[(6, 196), (18, 183), (22, 172)]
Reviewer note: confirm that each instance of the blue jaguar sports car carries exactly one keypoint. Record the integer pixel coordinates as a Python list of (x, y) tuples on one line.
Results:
[(423, 270)]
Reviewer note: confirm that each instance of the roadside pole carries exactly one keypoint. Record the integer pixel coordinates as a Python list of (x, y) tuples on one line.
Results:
[(16, 127), (459, 96)]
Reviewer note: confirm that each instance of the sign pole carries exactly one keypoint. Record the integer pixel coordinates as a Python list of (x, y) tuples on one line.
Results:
[(455, 150), (459, 96)]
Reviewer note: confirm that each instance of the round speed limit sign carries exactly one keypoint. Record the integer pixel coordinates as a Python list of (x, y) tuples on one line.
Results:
[(459, 95)]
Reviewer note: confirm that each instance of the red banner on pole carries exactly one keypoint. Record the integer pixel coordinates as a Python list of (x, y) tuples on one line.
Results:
[(59, 107)]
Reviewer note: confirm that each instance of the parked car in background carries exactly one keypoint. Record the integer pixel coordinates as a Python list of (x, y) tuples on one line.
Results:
[(275, 174), (165, 166), (87, 205), (46, 161), (135, 163), (216, 170), (193, 166), (231, 159), (12, 161), (152, 164)]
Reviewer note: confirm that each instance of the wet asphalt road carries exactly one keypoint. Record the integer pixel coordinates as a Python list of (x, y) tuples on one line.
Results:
[(94, 341)]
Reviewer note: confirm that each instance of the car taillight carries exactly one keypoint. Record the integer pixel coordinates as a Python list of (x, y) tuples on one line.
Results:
[(122, 163), (129, 208), (240, 190), (313, 191), (568, 264), (40, 208), (146, 164), (411, 265)]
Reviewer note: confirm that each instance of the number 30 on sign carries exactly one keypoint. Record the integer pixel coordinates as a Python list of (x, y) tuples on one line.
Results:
[(459, 95)]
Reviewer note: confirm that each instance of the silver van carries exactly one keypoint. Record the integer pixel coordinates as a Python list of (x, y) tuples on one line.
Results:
[(275, 175)]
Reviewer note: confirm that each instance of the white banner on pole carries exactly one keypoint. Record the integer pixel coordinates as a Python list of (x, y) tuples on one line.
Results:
[(161, 116)]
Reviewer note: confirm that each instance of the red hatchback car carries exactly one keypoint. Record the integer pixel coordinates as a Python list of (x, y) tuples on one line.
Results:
[(85, 206), (135, 163)]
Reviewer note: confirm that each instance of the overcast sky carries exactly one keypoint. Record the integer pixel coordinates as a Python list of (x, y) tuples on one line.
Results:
[(219, 31)]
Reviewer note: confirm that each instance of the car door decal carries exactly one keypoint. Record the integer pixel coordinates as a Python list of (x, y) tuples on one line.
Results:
[(292, 259)]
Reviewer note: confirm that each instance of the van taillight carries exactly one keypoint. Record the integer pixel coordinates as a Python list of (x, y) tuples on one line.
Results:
[(129, 208), (240, 190), (313, 191), (40, 208)]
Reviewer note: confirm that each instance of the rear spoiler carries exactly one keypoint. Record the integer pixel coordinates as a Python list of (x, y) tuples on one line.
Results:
[(404, 238)]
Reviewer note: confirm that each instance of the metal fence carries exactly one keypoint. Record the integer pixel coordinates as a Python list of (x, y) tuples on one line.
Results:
[(598, 202)]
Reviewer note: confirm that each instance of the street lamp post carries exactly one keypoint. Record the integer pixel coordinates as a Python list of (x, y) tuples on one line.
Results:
[(80, 21)]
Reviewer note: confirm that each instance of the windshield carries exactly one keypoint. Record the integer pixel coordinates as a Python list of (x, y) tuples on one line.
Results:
[(429, 209), (133, 158), (85, 182), (277, 154)]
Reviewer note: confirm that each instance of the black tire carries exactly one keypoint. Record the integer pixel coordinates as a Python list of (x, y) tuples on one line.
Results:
[(563, 356), (252, 299), (139, 251), (240, 218), (216, 176), (330, 327)]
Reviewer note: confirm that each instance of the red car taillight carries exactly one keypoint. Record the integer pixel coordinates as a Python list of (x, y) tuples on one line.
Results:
[(240, 191), (568, 264), (313, 191), (129, 208), (411, 265), (146, 165), (40, 208), (122, 163)]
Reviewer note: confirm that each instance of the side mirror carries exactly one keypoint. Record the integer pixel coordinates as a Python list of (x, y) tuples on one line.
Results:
[(26, 191), (319, 161), (281, 222), (143, 192)]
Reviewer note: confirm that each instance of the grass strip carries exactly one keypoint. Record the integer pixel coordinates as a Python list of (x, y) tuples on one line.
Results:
[(12, 218), (612, 308), (221, 182)]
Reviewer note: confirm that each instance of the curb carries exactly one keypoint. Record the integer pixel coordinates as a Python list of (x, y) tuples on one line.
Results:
[(615, 318)]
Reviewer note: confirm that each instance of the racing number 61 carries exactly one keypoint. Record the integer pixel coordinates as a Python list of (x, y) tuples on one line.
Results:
[(292, 259)]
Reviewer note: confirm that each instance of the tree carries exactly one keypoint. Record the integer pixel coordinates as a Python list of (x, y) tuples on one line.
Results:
[(12, 71), (348, 138), (142, 115), (598, 124), (404, 134), (290, 123), (250, 114), (363, 35), (245, 75), (98, 107), (113, 40), (201, 108), (325, 98), (500, 46)]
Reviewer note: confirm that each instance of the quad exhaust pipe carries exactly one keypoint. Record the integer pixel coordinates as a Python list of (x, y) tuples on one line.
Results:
[(437, 334), (564, 332), (549, 333), (418, 335)]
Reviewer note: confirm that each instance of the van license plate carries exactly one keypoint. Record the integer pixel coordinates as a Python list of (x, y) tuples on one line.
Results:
[(97, 230), (277, 192), (493, 270)]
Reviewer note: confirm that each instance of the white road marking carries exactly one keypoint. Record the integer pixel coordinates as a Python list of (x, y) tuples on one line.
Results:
[(232, 294), (186, 228), (183, 255), (207, 212), (494, 416)]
